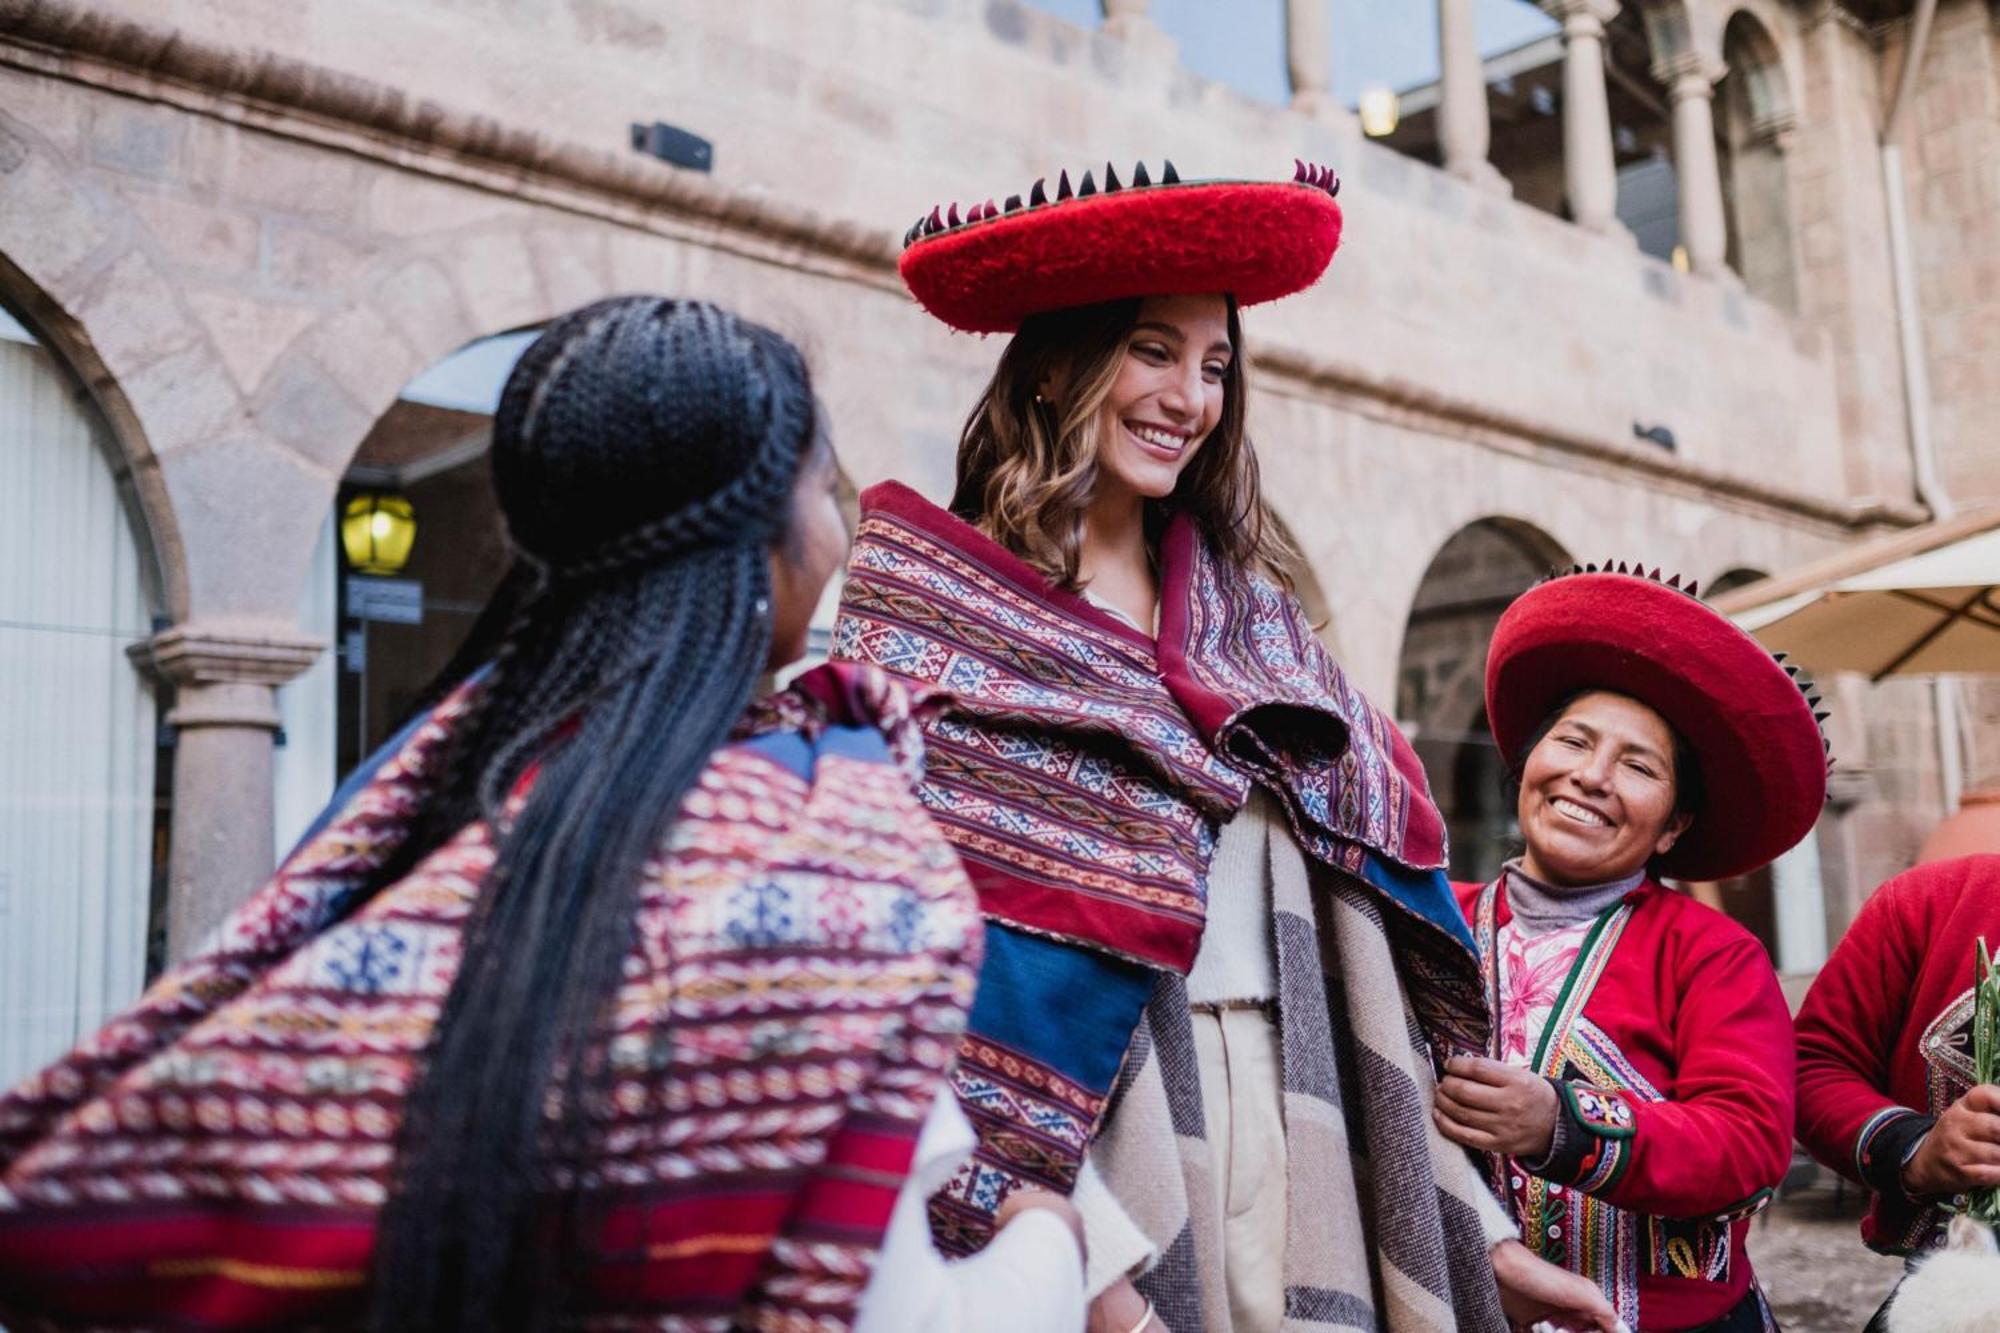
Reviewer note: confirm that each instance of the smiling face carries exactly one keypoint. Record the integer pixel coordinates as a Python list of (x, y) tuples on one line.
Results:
[(1167, 395), (1597, 793)]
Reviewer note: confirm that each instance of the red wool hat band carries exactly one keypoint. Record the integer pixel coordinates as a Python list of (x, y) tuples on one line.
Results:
[(1748, 718), (990, 269)]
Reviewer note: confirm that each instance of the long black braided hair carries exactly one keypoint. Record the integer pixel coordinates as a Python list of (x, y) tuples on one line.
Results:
[(644, 453)]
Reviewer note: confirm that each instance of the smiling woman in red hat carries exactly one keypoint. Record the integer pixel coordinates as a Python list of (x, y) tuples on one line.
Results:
[(1636, 1097), (1194, 841)]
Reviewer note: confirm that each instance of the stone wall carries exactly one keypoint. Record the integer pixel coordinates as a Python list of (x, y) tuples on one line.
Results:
[(1951, 140), (250, 227)]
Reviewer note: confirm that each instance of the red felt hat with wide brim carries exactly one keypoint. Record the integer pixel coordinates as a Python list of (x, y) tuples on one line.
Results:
[(1749, 720), (987, 271)]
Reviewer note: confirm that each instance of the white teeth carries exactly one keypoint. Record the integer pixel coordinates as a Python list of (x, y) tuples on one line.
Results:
[(1579, 813), (1164, 439)]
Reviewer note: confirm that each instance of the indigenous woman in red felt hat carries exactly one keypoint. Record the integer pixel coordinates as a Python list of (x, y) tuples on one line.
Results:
[(1636, 1097), (1209, 867)]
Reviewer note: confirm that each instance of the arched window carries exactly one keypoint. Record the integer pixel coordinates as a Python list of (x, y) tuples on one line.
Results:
[(82, 822), (1754, 115), (1441, 681), (396, 630), (398, 627)]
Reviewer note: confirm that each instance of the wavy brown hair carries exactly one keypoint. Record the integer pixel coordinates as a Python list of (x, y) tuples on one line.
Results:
[(1027, 458)]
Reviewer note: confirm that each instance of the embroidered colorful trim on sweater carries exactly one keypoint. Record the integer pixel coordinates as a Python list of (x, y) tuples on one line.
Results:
[(1684, 1046)]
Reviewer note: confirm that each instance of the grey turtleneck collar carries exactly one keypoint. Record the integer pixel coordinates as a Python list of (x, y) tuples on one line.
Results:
[(1539, 908)]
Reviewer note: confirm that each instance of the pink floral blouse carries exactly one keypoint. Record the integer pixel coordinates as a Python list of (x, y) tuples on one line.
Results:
[(1531, 973)]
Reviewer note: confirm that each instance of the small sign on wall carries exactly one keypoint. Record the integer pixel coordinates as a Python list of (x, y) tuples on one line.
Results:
[(392, 601)]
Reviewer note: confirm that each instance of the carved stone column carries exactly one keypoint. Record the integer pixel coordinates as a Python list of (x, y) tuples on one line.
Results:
[(1697, 170), (225, 716), (1590, 170), (1309, 55), (1465, 129)]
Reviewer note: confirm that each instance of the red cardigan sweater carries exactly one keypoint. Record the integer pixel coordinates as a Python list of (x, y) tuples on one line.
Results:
[(1672, 1060), (1885, 1035)]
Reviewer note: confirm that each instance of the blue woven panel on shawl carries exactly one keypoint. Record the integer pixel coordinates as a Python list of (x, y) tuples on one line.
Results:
[(1043, 1046), (1424, 893)]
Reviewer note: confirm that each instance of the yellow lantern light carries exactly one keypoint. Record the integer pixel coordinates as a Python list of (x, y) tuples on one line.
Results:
[(1380, 111), (377, 532)]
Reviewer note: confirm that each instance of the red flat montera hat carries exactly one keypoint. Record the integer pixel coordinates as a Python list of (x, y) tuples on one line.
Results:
[(1749, 719), (987, 271)]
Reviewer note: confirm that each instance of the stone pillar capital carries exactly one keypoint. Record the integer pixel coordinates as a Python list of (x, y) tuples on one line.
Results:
[(225, 671), (1582, 18), (1688, 74), (231, 652)]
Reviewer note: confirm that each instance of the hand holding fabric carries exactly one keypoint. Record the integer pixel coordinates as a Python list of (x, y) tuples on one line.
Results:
[(1495, 1107), (1119, 1308), (1536, 1293), (1962, 1151), (1033, 1200)]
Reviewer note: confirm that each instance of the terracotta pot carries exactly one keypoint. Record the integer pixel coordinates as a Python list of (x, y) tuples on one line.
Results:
[(1974, 829)]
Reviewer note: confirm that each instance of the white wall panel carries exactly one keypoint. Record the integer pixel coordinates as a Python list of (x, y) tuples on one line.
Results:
[(76, 722)]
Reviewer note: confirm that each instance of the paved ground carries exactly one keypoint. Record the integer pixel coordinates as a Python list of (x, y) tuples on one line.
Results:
[(1808, 1253)]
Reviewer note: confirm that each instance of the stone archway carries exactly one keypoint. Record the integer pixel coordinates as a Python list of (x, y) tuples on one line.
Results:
[(70, 271), (1755, 117), (82, 801), (1441, 678), (1729, 580), (239, 420), (211, 483)]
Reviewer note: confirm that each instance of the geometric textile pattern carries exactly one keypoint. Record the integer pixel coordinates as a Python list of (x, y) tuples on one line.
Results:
[(1034, 1126), (802, 961), (1562, 1224), (1562, 1218), (1083, 767)]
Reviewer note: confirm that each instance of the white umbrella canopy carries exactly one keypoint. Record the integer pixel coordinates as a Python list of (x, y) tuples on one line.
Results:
[(1922, 602)]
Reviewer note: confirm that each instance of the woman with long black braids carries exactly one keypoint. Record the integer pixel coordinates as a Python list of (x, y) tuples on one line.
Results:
[(612, 1000)]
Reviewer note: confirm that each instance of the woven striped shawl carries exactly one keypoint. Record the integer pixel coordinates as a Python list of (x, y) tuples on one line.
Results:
[(1382, 1230), (1083, 770)]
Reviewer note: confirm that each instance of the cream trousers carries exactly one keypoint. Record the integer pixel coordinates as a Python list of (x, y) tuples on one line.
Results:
[(1242, 1094)]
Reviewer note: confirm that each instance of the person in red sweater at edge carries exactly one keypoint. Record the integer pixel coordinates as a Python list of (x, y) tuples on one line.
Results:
[(1636, 1102), (1887, 1090)]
